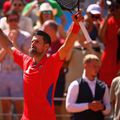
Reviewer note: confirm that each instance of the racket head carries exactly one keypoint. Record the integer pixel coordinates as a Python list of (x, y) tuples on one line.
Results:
[(68, 4)]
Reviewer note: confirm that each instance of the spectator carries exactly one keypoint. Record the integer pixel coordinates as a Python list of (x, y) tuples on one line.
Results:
[(108, 34), (48, 13), (88, 97), (92, 22), (10, 83), (31, 10), (25, 23)]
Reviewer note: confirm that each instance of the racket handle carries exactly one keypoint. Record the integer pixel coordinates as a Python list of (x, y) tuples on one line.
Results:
[(85, 32)]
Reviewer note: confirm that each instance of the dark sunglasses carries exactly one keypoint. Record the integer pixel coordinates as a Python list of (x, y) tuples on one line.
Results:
[(19, 5), (13, 20), (47, 12), (95, 16)]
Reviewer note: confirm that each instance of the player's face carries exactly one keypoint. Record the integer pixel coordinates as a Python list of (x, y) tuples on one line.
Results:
[(38, 46)]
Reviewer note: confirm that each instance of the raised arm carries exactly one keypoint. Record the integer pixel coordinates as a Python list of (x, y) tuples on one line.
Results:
[(71, 36), (103, 28), (6, 44)]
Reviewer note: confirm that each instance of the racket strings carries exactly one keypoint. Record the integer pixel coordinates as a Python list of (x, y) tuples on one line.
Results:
[(68, 4)]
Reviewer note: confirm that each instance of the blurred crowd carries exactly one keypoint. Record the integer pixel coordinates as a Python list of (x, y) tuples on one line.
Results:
[(19, 19)]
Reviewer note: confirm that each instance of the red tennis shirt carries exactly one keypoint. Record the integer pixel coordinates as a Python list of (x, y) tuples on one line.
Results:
[(39, 85)]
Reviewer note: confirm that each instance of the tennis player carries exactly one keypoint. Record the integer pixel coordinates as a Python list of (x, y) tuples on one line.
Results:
[(40, 71)]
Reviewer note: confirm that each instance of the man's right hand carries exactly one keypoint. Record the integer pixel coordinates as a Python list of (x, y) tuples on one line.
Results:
[(77, 17)]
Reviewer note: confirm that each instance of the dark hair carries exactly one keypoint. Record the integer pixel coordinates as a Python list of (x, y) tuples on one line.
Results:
[(46, 37), (12, 12)]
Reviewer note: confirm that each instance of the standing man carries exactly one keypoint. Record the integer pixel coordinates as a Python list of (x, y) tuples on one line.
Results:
[(88, 98), (41, 72)]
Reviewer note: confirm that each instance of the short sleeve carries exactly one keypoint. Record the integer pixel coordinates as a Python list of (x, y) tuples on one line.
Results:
[(56, 64), (56, 59)]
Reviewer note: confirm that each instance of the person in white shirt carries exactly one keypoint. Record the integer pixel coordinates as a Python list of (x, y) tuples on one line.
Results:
[(88, 98), (25, 23)]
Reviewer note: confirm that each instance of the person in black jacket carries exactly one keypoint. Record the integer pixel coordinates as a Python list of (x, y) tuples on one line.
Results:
[(88, 98)]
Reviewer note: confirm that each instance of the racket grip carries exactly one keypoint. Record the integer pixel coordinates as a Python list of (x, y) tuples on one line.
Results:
[(85, 32)]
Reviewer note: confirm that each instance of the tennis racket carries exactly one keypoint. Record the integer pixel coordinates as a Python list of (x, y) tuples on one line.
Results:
[(71, 5)]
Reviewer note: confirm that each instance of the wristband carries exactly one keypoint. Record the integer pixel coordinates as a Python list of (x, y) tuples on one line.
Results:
[(75, 28)]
